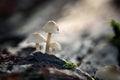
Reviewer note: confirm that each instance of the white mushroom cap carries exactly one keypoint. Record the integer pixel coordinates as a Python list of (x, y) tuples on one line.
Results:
[(108, 73), (36, 38), (51, 27), (55, 45)]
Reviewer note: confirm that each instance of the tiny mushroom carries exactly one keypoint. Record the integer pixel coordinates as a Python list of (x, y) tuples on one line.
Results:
[(50, 27), (36, 38), (108, 73), (55, 46)]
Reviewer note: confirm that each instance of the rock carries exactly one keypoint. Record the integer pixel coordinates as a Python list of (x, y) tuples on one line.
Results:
[(108, 73), (55, 74), (24, 52), (47, 57), (38, 60), (39, 66), (103, 54), (39, 57), (13, 76), (44, 74)]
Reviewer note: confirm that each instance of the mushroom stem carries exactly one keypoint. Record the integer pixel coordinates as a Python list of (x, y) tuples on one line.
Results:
[(37, 47), (48, 43)]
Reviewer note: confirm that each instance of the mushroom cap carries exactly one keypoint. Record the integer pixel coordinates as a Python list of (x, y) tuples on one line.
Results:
[(55, 45), (36, 38), (51, 27)]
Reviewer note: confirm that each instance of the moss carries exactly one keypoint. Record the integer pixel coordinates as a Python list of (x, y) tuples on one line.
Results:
[(116, 27), (69, 65)]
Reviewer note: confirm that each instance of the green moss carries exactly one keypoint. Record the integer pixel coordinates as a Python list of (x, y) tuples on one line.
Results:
[(116, 27), (69, 65)]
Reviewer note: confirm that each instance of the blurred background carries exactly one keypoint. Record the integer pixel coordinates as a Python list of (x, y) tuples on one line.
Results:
[(83, 27)]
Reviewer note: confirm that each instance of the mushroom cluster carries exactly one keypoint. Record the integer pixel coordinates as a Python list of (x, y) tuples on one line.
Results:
[(50, 27)]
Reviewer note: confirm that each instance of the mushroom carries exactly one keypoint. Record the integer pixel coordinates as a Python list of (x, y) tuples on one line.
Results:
[(36, 38), (108, 73), (55, 46), (50, 27)]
